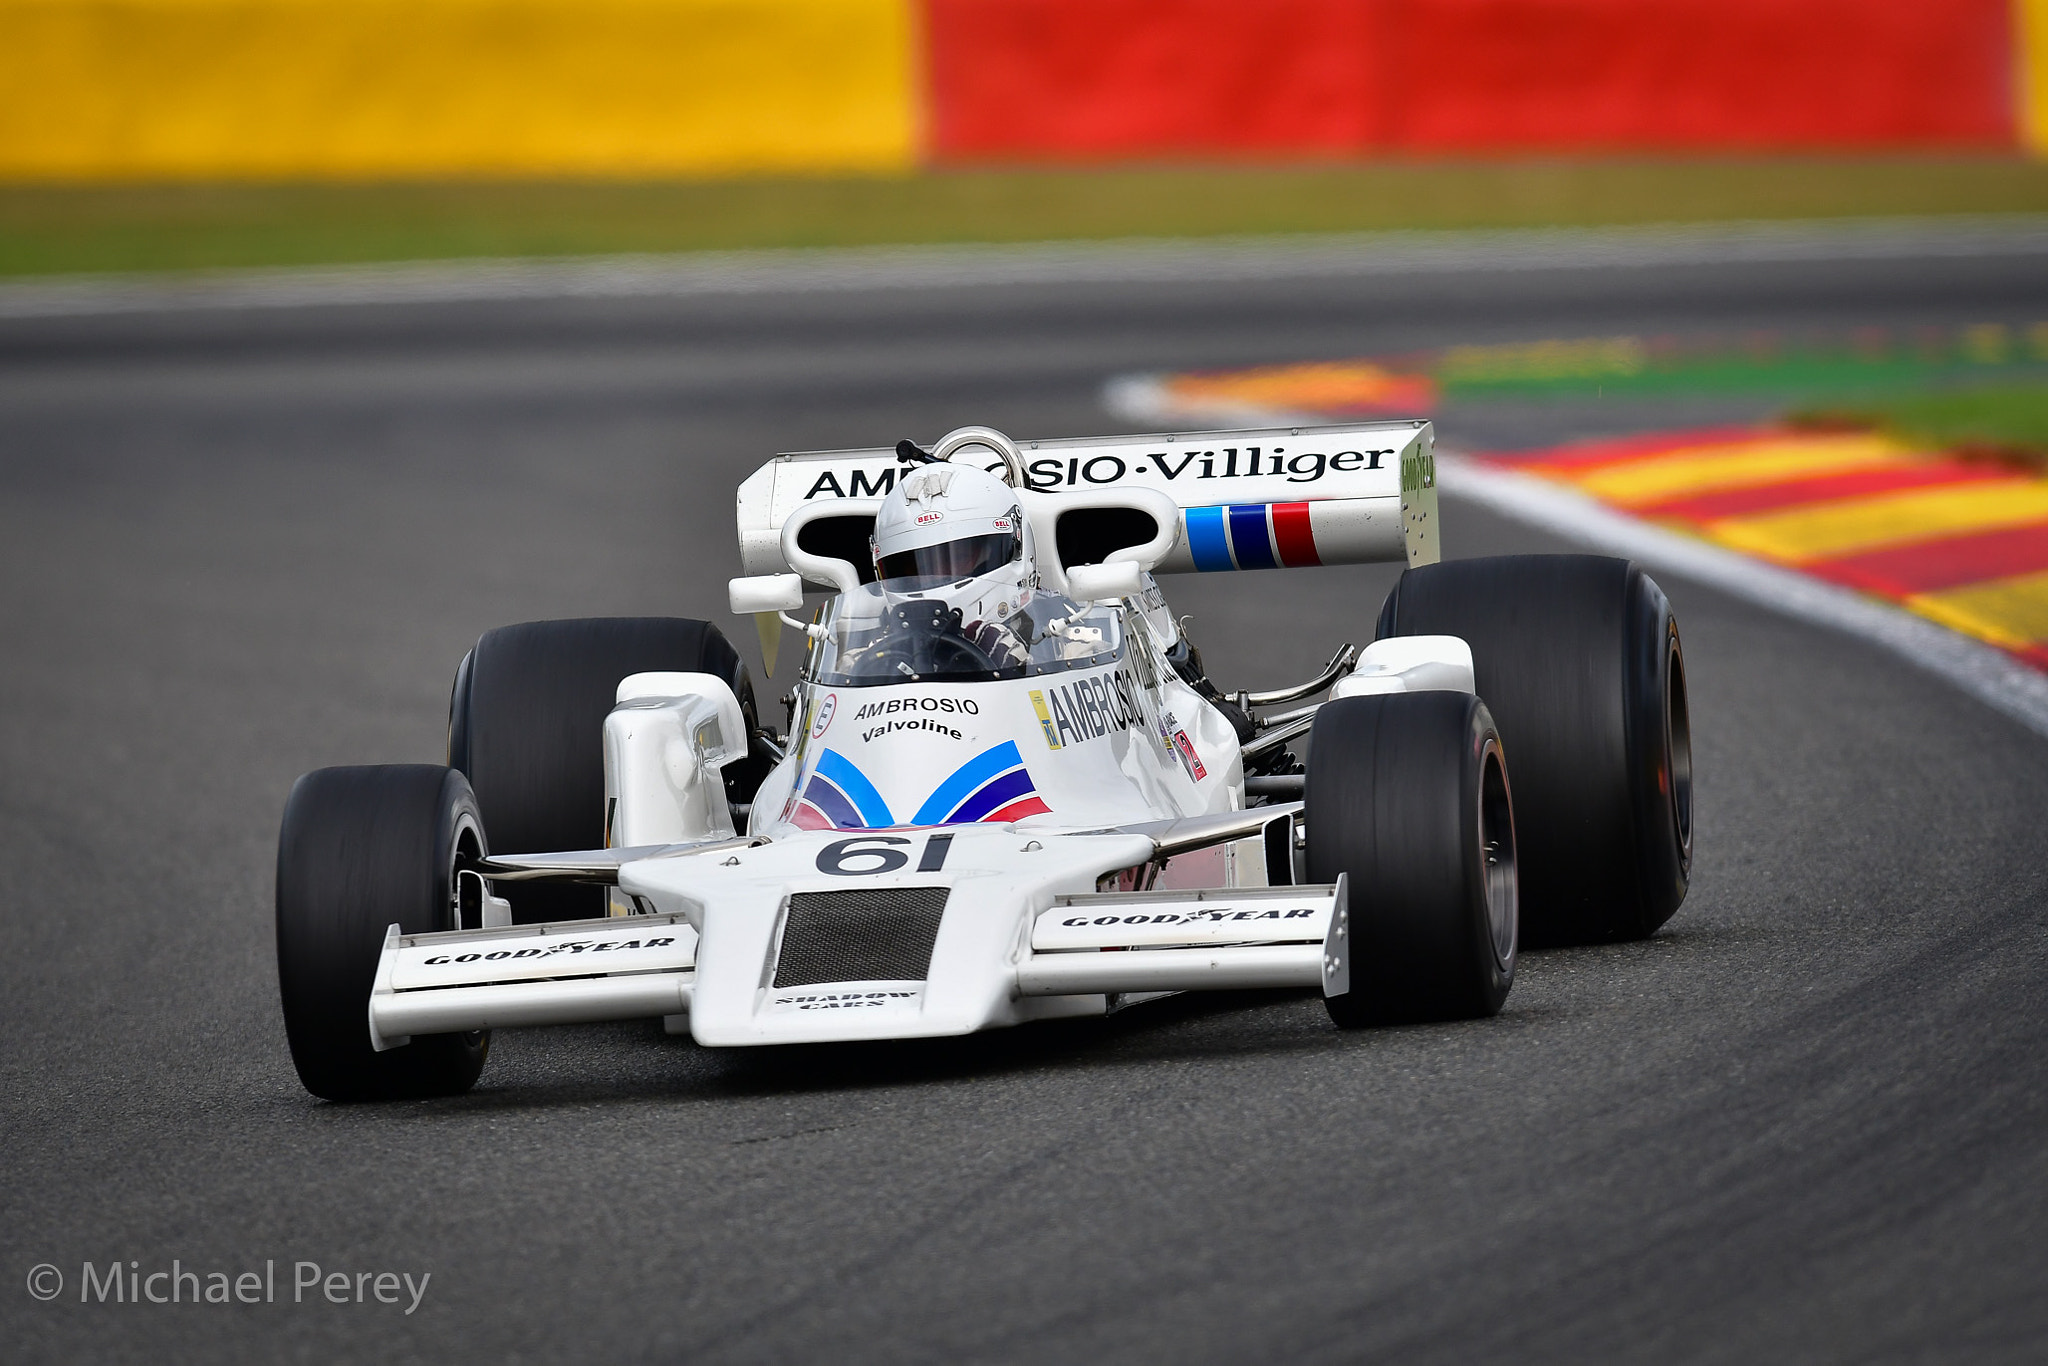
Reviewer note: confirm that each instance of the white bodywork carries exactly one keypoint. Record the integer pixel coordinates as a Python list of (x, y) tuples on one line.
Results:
[(1409, 664), (664, 745), (1075, 839)]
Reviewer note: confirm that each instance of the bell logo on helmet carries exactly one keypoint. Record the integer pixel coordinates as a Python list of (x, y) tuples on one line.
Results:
[(927, 518)]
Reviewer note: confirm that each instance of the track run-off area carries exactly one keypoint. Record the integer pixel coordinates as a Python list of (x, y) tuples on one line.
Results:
[(251, 537)]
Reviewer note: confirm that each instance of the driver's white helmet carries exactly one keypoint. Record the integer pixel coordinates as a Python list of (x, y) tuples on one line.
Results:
[(946, 522)]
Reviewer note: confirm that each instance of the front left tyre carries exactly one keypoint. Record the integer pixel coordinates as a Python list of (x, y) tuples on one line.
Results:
[(362, 849), (1408, 796)]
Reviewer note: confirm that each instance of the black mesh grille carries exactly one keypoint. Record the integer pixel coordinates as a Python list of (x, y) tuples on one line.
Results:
[(878, 936)]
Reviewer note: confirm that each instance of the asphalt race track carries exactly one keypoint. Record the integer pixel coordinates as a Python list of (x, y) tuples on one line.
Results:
[(1806, 1122)]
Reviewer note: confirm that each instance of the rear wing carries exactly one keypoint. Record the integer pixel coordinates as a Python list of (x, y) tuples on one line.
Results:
[(1261, 498)]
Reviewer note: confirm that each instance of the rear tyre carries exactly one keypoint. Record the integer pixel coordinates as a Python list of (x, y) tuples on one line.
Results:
[(1578, 658), (1408, 795), (526, 726), (362, 849)]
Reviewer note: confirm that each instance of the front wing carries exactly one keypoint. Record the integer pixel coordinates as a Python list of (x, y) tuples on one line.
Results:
[(1092, 945)]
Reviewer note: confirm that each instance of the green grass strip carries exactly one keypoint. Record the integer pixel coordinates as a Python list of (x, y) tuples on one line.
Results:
[(2000, 419), (56, 228)]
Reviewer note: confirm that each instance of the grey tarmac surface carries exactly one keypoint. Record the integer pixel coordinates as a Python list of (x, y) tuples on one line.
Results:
[(1805, 1122)]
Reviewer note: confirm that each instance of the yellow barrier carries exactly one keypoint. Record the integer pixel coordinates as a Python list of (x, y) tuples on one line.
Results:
[(127, 89), (2030, 76)]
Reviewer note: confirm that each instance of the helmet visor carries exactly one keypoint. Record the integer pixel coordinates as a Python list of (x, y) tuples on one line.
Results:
[(967, 558)]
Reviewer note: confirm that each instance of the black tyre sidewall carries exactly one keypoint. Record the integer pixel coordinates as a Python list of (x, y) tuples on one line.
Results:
[(360, 849), (1392, 800), (1660, 779), (458, 715)]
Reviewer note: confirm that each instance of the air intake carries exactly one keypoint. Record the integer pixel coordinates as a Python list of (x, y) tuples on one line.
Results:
[(878, 936)]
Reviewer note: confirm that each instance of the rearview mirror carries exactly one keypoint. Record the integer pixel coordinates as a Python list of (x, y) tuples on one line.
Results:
[(1104, 582), (767, 593)]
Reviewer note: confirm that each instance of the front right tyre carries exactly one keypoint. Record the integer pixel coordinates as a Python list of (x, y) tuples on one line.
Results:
[(362, 849)]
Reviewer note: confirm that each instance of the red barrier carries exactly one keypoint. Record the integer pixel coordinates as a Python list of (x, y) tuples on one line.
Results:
[(1109, 78)]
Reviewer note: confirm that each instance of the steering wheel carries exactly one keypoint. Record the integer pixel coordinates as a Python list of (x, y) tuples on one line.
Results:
[(937, 655), (926, 639)]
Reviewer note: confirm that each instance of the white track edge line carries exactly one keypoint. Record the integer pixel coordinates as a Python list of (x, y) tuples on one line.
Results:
[(1136, 260), (1979, 670)]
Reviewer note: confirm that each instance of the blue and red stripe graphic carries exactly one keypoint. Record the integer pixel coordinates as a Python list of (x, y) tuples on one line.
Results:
[(1250, 536), (994, 786), (840, 797)]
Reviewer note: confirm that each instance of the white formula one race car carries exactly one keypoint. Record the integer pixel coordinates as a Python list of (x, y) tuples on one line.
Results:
[(1008, 790)]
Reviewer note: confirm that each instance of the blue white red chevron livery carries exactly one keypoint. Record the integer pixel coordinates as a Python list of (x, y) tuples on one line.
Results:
[(993, 786)]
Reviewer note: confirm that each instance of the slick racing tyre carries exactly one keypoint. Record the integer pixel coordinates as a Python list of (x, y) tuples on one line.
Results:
[(1408, 795), (526, 725), (1578, 658), (362, 849)]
